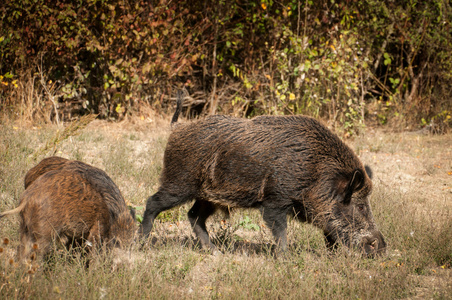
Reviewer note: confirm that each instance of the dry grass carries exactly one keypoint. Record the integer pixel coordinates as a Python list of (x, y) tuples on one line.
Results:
[(411, 202)]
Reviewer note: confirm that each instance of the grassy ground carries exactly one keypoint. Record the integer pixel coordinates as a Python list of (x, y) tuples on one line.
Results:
[(411, 203)]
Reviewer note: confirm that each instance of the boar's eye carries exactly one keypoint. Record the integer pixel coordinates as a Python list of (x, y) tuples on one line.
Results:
[(361, 207)]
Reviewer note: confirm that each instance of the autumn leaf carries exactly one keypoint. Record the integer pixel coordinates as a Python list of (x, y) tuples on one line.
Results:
[(119, 109)]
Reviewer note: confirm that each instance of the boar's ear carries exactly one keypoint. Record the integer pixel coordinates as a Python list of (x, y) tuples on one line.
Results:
[(368, 171), (132, 212), (346, 185)]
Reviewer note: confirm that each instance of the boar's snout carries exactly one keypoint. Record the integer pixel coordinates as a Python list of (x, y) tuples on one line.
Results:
[(373, 244)]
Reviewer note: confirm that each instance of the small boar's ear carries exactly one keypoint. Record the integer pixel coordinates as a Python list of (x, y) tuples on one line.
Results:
[(368, 171), (346, 185), (132, 212)]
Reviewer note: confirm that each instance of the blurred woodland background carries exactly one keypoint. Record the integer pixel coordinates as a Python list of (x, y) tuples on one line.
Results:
[(350, 62)]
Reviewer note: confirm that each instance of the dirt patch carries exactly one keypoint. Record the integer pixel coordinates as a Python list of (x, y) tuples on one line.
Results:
[(416, 165)]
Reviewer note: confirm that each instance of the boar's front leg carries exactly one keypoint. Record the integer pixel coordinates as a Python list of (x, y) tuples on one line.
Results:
[(276, 219), (198, 215)]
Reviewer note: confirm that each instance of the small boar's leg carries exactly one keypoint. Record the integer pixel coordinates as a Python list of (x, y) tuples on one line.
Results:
[(33, 246), (276, 219), (25, 248), (94, 236), (198, 215)]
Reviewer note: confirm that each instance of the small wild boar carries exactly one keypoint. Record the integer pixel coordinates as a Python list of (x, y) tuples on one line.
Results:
[(71, 202), (282, 165), (51, 163)]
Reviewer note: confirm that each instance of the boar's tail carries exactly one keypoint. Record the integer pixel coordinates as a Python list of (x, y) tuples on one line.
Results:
[(180, 95), (13, 211)]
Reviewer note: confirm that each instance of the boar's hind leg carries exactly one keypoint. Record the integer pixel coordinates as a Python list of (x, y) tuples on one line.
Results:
[(276, 219), (33, 247), (198, 215), (160, 201)]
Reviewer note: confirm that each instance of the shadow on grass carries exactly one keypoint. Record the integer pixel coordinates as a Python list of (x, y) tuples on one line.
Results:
[(239, 247)]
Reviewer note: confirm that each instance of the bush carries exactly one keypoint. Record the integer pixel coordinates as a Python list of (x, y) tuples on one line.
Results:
[(338, 60)]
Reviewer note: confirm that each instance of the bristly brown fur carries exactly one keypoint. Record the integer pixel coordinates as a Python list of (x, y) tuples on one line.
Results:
[(71, 201), (279, 164)]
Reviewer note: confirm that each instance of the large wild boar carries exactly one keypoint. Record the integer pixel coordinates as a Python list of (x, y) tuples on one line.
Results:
[(71, 202), (280, 164)]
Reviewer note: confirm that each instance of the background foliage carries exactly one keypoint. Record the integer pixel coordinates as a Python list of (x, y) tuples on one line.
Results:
[(346, 61)]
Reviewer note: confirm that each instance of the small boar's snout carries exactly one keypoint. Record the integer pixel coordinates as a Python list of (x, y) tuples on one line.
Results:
[(373, 245)]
